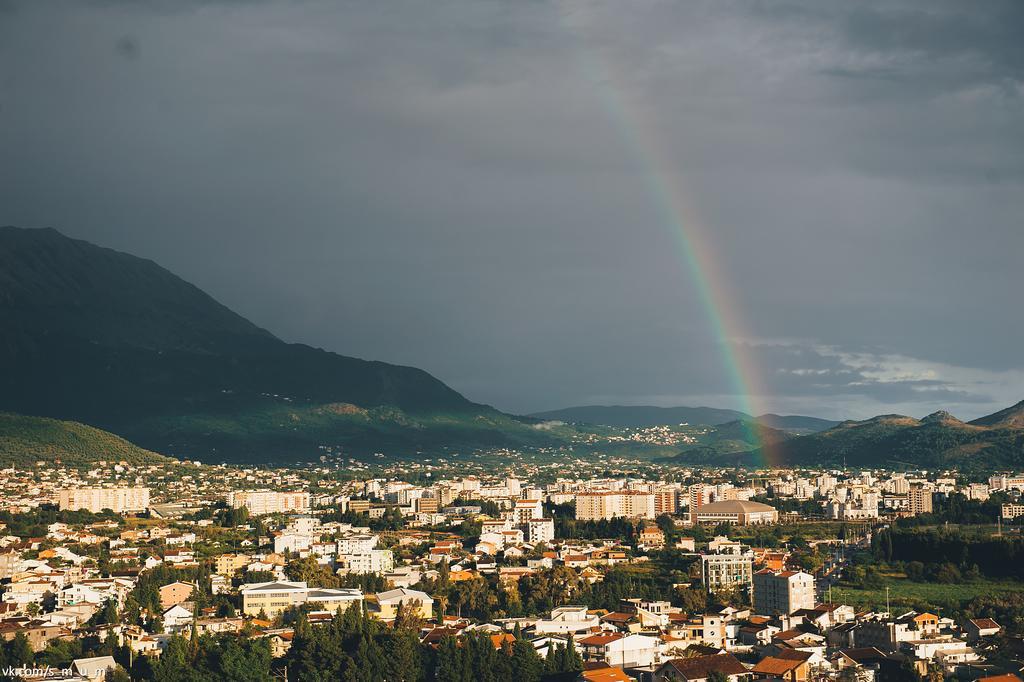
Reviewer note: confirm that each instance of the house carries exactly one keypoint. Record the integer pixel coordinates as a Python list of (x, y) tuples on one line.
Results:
[(652, 537), (981, 627), (38, 632), (177, 618), (699, 668), (94, 669), (789, 664), (387, 603), (624, 651), (603, 673), (280, 641), (175, 593), (566, 620)]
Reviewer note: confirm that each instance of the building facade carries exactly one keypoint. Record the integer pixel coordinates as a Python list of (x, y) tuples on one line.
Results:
[(119, 500), (782, 592), (609, 504), (260, 502)]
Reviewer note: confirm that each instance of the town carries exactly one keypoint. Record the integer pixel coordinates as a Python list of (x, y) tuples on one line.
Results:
[(437, 570)]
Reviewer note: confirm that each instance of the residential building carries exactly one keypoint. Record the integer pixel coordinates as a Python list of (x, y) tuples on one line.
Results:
[(700, 668), (610, 504), (376, 561), (119, 500), (617, 649), (1012, 511), (540, 530), (260, 502), (387, 603), (919, 499), (728, 565), (175, 593), (567, 620), (782, 592)]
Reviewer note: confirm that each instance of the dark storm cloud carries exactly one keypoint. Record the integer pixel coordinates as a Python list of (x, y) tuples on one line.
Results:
[(457, 185)]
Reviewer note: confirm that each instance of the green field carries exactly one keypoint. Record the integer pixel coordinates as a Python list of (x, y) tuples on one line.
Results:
[(906, 594)]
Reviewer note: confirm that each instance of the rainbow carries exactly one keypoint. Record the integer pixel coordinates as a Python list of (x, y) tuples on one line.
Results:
[(688, 234)]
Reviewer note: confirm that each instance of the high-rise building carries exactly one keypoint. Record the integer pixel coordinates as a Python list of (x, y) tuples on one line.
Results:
[(119, 500), (782, 592), (699, 495), (919, 500), (666, 501)]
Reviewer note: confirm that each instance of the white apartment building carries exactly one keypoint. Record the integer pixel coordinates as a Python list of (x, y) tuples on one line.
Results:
[(357, 543), (729, 565), (540, 530), (568, 620), (376, 561), (608, 504), (260, 502), (782, 592), (119, 500), (525, 510), (292, 542)]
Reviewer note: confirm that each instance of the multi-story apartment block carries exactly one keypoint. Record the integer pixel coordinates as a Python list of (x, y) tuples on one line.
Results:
[(540, 530), (727, 565), (228, 564), (119, 500), (260, 502), (376, 561), (609, 504), (919, 500), (1012, 511), (525, 510), (782, 592), (666, 501), (1004, 482)]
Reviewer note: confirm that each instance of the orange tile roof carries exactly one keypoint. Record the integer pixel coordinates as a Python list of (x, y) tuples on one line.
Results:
[(608, 674), (600, 640)]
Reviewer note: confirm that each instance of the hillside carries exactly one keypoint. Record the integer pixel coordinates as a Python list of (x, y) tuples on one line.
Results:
[(648, 415), (109, 339), (796, 424), (729, 443), (937, 441), (26, 440)]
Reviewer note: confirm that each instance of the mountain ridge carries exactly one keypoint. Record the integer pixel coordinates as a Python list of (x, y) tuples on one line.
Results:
[(939, 440), (109, 339)]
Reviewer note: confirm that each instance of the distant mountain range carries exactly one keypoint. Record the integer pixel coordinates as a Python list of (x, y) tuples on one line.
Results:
[(648, 415), (109, 339), (939, 440), (95, 336)]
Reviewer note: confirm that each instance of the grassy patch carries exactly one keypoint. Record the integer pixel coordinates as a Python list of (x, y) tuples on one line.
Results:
[(906, 594)]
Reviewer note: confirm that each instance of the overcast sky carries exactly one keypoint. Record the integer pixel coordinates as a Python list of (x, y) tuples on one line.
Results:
[(458, 184)]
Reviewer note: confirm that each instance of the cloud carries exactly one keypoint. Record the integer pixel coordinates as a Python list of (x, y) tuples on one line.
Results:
[(459, 185)]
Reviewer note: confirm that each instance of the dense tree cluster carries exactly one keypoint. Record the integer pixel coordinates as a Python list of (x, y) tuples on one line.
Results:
[(999, 557), (231, 658)]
